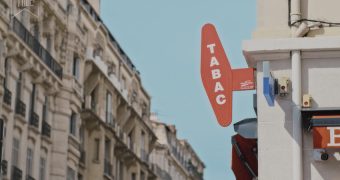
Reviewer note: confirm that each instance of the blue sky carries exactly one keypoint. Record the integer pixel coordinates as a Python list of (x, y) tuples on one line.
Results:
[(163, 40)]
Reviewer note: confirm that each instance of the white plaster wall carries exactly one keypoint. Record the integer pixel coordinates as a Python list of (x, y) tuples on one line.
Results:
[(274, 129), (320, 79)]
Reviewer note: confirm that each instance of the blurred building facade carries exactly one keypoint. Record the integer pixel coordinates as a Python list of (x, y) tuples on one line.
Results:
[(173, 158)]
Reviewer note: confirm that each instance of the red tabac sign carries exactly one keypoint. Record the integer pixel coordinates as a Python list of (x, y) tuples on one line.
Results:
[(219, 80)]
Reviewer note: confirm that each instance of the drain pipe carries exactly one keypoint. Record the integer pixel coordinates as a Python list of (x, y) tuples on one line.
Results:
[(296, 96)]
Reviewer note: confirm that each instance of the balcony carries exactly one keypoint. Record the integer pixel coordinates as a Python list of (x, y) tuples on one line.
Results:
[(34, 120), (20, 30), (46, 129), (107, 168), (7, 97), (16, 173), (103, 68), (20, 108)]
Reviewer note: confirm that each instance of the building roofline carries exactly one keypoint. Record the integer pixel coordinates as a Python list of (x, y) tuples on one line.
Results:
[(278, 49)]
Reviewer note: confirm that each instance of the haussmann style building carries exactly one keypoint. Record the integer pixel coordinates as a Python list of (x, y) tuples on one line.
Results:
[(173, 158), (72, 103)]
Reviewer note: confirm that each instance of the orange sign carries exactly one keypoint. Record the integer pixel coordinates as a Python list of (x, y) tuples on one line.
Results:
[(219, 80), (326, 137)]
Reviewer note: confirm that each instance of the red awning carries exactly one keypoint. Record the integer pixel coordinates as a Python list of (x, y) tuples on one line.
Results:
[(244, 158)]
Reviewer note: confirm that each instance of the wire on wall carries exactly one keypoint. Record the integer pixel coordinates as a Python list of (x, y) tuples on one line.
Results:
[(323, 23)]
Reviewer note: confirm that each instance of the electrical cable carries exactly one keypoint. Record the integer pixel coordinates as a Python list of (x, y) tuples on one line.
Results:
[(330, 24)]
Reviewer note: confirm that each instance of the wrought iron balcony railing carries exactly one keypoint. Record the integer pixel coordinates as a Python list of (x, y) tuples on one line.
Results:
[(7, 97), (20, 108), (37, 48), (46, 129), (16, 173), (34, 120)]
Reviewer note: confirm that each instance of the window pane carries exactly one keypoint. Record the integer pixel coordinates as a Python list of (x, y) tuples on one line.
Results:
[(7, 70), (15, 152), (45, 109), (29, 162), (108, 107), (42, 168), (73, 122), (75, 70), (96, 151), (18, 95)]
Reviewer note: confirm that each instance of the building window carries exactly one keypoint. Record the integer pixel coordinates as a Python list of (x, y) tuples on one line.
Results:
[(142, 175), (15, 152), (42, 169), (96, 150), (45, 109), (2, 137), (94, 99), (130, 141), (7, 70), (97, 52), (29, 162), (80, 177), (107, 149), (133, 176), (49, 43), (107, 163), (36, 32), (143, 140), (33, 98), (71, 174), (120, 169), (142, 146), (123, 83), (112, 69), (73, 124), (75, 69), (109, 118), (82, 136), (79, 15), (19, 86)]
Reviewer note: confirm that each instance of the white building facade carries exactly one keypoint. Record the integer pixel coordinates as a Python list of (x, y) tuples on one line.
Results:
[(298, 46)]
